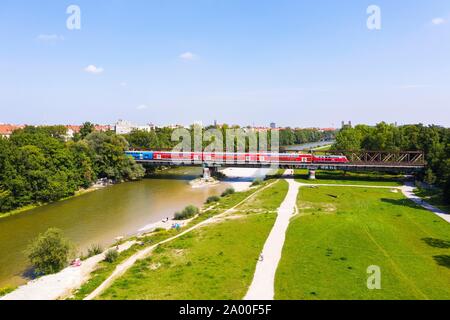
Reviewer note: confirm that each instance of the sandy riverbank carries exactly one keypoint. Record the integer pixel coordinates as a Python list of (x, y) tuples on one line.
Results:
[(241, 179)]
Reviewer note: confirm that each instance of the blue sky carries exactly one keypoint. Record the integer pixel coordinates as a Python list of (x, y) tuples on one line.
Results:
[(297, 63)]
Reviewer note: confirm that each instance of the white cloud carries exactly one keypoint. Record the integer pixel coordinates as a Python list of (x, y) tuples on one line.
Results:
[(188, 56), (142, 107), (49, 38), (93, 69), (438, 21)]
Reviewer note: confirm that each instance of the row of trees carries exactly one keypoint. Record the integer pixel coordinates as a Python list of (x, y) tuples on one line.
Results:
[(161, 138), (38, 165), (433, 140)]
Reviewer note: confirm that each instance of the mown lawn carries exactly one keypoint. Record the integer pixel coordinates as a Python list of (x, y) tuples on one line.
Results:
[(353, 178), (340, 232), (214, 262)]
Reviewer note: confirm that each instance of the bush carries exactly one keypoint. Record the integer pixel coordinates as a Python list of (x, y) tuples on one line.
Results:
[(187, 213), (50, 252), (212, 199), (94, 250), (257, 182), (228, 192), (111, 255)]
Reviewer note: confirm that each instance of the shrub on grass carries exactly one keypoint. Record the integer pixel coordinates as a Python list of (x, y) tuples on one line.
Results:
[(212, 199), (257, 182), (111, 255), (228, 192), (94, 250), (187, 213), (49, 252)]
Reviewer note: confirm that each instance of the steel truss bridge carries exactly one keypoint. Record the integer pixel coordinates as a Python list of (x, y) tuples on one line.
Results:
[(384, 161)]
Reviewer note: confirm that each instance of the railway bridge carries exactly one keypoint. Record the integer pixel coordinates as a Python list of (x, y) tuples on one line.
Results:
[(406, 162)]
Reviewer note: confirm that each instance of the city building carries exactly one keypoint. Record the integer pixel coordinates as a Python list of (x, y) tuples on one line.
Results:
[(125, 127), (7, 129)]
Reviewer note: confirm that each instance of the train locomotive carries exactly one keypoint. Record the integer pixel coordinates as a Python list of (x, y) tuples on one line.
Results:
[(224, 157)]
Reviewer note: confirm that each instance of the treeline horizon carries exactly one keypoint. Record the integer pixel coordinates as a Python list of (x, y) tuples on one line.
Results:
[(433, 140)]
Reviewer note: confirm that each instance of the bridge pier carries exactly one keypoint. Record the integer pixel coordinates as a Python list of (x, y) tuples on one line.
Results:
[(208, 172), (312, 174)]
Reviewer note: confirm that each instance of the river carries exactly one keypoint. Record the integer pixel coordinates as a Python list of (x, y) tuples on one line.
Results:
[(308, 146), (99, 217)]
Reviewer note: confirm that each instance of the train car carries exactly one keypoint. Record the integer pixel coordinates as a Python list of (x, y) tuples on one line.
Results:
[(295, 157), (140, 155), (330, 159)]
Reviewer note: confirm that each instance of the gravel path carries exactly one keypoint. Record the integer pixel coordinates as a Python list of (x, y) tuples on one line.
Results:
[(263, 284), (408, 191)]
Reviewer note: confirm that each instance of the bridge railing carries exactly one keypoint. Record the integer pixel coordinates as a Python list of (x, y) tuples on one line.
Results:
[(413, 158)]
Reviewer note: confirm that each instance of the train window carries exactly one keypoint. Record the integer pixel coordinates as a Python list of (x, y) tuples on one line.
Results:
[(262, 158), (158, 156)]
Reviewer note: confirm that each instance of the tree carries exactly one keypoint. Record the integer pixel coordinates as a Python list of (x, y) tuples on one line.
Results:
[(139, 139), (110, 160), (86, 129), (348, 139), (49, 252)]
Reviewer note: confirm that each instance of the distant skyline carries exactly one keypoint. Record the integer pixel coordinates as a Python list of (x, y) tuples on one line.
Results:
[(292, 62)]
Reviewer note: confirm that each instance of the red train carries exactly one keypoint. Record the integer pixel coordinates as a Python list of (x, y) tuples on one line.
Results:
[(221, 157)]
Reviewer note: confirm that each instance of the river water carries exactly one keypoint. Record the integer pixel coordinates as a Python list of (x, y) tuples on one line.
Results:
[(308, 146), (100, 216)]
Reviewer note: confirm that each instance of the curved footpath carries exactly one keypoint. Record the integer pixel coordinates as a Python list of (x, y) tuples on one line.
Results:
[(408, 191)]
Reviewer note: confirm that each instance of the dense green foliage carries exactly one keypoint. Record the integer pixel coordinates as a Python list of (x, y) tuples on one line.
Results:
[(187, 213), (38, 165), (50, 252), (433, 140)]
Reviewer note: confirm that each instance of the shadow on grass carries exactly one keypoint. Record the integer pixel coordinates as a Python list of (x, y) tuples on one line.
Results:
[(443, 260), (437, 243), (403, 203)]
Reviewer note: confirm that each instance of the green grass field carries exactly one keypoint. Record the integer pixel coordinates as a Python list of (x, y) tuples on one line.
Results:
[(214, 262), (341, 231)]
